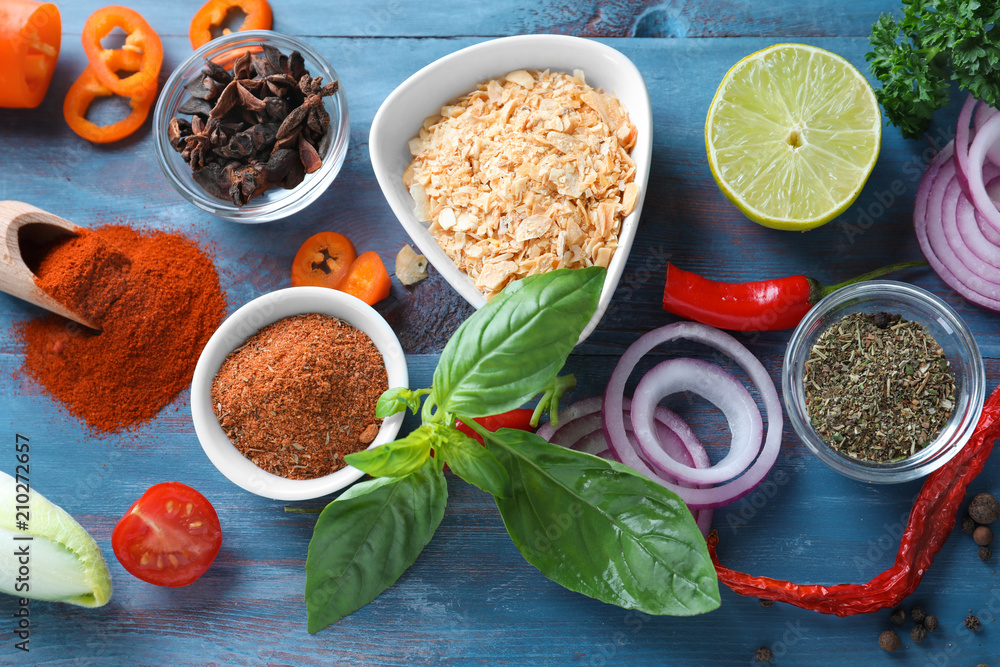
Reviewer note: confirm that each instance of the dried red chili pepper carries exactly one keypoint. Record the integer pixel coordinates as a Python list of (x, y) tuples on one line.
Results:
[(763, 305), (931, 522)]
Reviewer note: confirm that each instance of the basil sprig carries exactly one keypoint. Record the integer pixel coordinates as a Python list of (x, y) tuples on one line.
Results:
[(593, 526)]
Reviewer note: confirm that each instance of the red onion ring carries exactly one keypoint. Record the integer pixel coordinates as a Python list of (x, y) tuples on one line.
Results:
[(614, 423), (962, 142), (983, 113), (718, 387), (988, 135), (930, 212), (686, 449)]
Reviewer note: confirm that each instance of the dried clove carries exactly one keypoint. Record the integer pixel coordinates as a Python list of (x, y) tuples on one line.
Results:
[(262, 124)]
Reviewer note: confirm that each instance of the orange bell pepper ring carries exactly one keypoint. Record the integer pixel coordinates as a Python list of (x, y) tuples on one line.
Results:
[(367, 279), (29, 47), (88, 87), (213, 13), (141, 38)]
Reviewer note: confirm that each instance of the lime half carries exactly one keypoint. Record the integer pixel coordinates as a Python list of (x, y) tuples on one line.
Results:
[(792, 135)]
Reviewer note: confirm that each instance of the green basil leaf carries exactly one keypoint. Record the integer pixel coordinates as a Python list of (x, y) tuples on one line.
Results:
[(474, 463), (396, 458), (367, 538), (510, 349), (396, 400), (598, 528)]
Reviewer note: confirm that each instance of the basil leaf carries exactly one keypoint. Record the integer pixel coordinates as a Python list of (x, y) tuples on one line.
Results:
[(367, 538), (396, 400), (512, 348), (598, 528), (396, 458), (474, 463)]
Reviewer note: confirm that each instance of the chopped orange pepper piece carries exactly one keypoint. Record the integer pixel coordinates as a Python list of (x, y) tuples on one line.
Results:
[(141, 39), (29, 47), (367, 279), (323, 260), (213, 13), (88, 87)]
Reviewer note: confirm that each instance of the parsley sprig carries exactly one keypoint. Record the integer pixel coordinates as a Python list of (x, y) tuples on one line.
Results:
[(935, 42)]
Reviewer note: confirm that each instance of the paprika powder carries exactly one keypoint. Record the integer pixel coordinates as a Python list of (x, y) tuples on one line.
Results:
[(157, 299)]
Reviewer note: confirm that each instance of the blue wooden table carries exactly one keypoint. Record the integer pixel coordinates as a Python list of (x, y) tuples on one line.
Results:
[(471, 598)]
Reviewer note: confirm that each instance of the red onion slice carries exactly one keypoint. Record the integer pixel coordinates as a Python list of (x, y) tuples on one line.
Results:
[(569, 414), (718, 387), (614, 423), (929, 214), (962, 141), (988, 135), (983, 113)]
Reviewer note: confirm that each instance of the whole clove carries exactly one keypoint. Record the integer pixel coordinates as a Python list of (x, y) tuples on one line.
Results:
[(261, 124)]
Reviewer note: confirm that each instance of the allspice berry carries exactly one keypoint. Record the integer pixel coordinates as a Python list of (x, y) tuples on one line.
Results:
[(984, 508), (931, 623), (985, 553), (982, 535), (917, 613), (972, 622), (968, 525), (918, 633), (764, 602), (764, 654), (898, 617), (889, 641)]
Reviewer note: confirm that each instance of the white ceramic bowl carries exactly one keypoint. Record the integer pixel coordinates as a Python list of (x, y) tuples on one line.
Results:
[(423, 94), (244, 323)]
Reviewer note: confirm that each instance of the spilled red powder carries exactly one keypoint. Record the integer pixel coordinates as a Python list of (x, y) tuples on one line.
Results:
[(157, 298)]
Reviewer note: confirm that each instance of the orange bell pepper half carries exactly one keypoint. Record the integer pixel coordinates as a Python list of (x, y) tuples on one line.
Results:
[(88, 87), (213, 13), (141, 39), (367, 279), (29, 48)]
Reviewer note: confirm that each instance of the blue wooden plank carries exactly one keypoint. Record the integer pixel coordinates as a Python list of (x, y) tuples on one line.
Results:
[(471, 598)]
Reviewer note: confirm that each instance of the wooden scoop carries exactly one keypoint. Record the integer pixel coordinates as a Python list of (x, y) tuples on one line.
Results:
[(22, 224)]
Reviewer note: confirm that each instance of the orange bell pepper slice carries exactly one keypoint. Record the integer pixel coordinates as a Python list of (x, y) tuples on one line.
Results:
[(367, 279), (323, 260), (141, 38), (29, 47), (88, 87), (213, 13)]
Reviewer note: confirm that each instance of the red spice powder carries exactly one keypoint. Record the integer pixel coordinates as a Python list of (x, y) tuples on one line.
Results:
[(300, 394), (157, 298)]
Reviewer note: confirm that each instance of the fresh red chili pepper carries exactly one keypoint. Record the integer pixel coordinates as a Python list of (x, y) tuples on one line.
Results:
[(519, 419), (763, 305), (931, 521)]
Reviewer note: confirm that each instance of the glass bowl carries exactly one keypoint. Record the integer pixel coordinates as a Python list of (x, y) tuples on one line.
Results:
[(244, 323), (276, 202), (943, 324)]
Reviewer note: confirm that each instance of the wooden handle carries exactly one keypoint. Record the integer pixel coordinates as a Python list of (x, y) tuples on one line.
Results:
[(15, 276)]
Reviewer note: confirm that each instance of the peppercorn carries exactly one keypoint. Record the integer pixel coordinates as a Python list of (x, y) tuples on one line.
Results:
[(972, 622), (765, 602), (931, 623), (983, 535), (968, 525), (917, 613), (898, 617), (763, 654), (984, 508), (985, 553), (918, 633), (889, 641)]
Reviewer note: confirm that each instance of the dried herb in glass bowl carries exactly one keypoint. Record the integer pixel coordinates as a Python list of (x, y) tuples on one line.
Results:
[(261, 124)]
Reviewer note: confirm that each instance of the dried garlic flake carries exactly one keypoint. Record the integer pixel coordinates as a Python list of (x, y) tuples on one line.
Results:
[(410, 267), (523, 175)]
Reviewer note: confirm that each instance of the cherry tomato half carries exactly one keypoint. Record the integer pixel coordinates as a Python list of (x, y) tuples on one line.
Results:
[(169, 537), (323, 260)]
